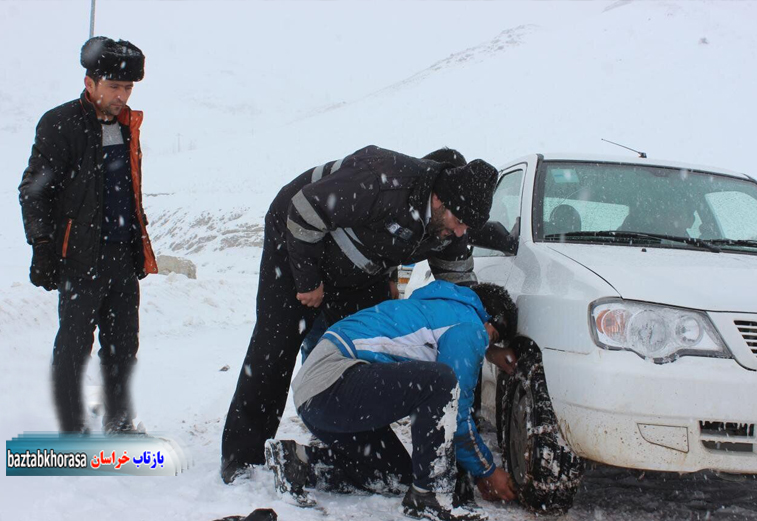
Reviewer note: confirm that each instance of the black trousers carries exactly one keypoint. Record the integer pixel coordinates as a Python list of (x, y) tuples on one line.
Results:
[(353, 416), (106, 298), (282, 323)]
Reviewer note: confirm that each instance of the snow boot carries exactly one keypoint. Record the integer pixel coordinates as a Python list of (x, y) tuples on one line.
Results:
[(290, 471), (436, 507), (118, 412), (69, 404), (231, 470), (122, 424)]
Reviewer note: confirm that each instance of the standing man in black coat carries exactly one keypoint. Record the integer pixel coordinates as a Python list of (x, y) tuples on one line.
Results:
[(331, 238), (81, 200)]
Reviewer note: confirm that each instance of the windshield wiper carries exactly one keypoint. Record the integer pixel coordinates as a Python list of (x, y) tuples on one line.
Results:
[(616, 234), (734, 242)]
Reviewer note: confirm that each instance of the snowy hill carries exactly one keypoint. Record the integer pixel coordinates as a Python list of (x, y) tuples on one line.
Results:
[(240, 97), (639, 74)]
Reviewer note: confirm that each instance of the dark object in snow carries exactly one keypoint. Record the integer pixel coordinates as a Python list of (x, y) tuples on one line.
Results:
[(259, 514), (224, 368), (230, 470), (290, 473), (112, 60), (426, 505), (467, 191), (545, 469), (262, 514)]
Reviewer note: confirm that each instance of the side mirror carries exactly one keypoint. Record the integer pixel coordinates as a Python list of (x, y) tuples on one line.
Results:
[(494, 236)]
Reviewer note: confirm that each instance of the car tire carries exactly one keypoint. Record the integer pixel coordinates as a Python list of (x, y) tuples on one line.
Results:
[(546, 471)]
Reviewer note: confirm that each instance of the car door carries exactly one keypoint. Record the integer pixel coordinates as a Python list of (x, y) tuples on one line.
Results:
[(491, 265), (496, 267)]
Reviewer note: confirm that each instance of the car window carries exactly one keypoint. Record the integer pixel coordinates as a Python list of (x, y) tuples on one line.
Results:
[(581, 215), (505, 206), (506, 202), (575, 199), (735, 213)]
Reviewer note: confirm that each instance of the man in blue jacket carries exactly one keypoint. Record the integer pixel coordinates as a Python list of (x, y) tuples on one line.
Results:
[(421, 358)]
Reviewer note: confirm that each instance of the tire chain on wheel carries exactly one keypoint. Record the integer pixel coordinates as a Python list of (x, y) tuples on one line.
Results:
[(552, 482)]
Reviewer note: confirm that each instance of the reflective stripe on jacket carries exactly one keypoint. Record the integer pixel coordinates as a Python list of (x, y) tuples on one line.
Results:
[(348, 222)]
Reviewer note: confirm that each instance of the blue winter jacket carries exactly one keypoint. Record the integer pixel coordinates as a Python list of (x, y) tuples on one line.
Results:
[(439, 322)]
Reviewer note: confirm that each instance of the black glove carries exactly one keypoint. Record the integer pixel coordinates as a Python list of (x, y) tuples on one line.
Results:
[(44, 270)]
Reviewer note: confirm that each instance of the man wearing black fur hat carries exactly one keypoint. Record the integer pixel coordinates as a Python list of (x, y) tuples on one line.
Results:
[(331, 237), (81, 202)]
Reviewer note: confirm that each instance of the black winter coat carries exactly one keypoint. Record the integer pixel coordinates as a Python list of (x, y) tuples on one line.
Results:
[(351, 221), (61, 192)]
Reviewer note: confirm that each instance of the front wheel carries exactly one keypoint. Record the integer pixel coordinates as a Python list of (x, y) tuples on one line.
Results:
[(539, 459)]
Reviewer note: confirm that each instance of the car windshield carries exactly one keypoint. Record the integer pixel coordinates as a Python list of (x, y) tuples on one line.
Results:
[(611, 203)]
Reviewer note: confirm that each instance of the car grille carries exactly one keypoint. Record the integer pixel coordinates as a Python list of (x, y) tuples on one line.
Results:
[(728, 436), (748, 331)]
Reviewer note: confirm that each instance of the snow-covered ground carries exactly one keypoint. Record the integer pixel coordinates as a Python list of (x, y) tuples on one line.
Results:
[(242, 96)]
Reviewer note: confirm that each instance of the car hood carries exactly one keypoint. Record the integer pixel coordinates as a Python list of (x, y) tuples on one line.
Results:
[(691, 279)]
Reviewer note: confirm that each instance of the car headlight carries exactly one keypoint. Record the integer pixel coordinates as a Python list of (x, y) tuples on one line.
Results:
[(659, 333)]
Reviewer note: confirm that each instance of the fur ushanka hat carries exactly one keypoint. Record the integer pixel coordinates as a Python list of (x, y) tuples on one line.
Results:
[(112, 60)]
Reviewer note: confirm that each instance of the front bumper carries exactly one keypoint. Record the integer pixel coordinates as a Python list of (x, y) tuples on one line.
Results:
[(693, 414)]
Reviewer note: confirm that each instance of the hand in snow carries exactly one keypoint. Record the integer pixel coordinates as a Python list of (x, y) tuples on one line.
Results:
[(502, 357), (311, 299), (497, 487)]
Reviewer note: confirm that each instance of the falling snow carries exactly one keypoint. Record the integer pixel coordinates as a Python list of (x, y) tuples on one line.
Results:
[(446, 76)]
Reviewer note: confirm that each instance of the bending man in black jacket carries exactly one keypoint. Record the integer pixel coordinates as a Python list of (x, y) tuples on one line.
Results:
[(331, 237), (81, 202)]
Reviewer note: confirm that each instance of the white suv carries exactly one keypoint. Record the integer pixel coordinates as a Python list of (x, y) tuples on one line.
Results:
[(636, 286)]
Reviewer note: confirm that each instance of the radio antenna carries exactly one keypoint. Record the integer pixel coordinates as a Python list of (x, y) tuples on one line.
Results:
[(641, 154)]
